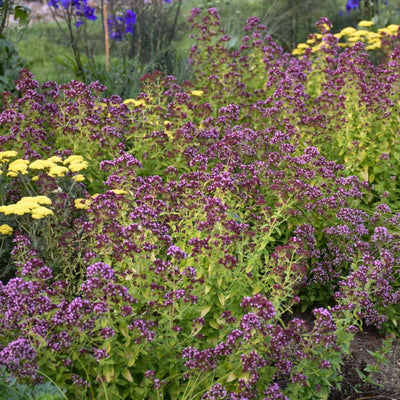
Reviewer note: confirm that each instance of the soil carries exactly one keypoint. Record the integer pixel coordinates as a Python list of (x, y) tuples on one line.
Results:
[(388, 378)]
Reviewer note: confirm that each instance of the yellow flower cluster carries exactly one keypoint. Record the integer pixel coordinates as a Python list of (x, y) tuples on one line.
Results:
[(134, 103), (349, 36), (51, 165), (82, 204), (75, 163), (197, 93), (29, 205), (6, 229), (6, 155)]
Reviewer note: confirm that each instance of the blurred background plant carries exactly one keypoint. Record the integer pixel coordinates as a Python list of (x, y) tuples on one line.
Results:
[(117, 42), (10, 61)]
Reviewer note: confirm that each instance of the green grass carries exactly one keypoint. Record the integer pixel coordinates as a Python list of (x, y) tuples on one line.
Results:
[(42, 47)]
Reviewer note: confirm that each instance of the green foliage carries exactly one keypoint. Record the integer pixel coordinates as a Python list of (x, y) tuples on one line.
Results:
[(10, 64), (11, 389)]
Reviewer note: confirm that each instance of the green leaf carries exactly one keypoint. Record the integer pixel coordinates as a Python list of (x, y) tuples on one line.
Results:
[(109, 372), (127, 375), (21, 13), (205, 311), (214, 324)]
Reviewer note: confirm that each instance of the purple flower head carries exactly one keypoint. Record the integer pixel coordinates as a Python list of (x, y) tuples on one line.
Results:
[(102, 270), (176, 252)]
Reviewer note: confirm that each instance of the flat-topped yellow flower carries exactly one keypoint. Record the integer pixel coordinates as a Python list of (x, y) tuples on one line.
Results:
[(197, 93), (119, 191), (134, 102), (57, 170), (76, 163), (42, 164), (365, 24), (348, 31), (15, 209), (303, 46), (40, 212), (82, 204), (19, 166), (6, 229), (297, 52), (55, 159), (27, 205), (78, 178), (6, 155), (37, 199)]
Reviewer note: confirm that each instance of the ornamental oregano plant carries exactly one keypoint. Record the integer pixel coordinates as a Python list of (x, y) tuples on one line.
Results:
[(200, 241)]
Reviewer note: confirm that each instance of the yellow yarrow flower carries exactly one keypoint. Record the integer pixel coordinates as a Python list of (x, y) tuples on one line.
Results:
[(303, 46), (55, 159), (19, 166), (347, 31), (77, 166), (73, 158), (6, 155), (76, 163), (374, 46), (119, 191), (354, 39), (37, 199), (6, 229), (365, 24), (26, 205), (78, 178), (42, 164), (15, 209), (40, 212), (297, 52), (82, 204), (134, 102), (392, 28), (57, 170), (197, 93)]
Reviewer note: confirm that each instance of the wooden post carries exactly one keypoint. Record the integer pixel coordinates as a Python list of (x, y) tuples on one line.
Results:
[(106, 38)]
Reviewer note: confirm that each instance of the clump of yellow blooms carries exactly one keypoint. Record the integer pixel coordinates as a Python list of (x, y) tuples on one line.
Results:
[(119, 191), (6, 155), (29, 205), (197, 93), (6, 229), (347, 37), (82, 204), (78, 178), (53, 166), (134, 102), (75, 163), (18, 167)]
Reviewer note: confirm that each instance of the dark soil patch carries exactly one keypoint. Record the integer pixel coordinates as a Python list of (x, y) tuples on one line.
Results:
[(388, 378)]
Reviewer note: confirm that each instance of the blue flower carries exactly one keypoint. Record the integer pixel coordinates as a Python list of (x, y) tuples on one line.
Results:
[(130, 20), (352, 4), (53, 3), (88, 12), (118, 26)]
